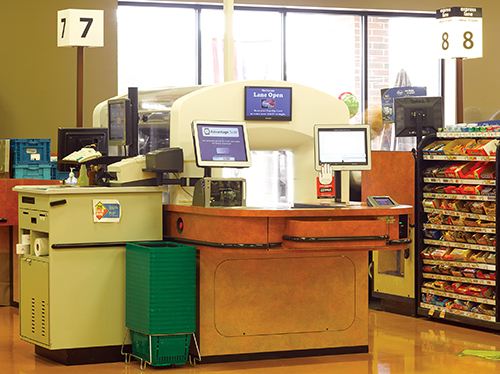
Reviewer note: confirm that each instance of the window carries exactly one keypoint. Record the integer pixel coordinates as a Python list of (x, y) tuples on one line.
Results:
[(257, 45), (324, 51), (335, 51), (157, 53), (399, 45)]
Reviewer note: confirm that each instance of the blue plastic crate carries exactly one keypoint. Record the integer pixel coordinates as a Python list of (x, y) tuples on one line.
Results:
[(30, 150), (33, 170), (56, 174)]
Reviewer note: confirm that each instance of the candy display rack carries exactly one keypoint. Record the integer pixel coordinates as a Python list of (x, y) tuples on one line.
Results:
[(456, 193)]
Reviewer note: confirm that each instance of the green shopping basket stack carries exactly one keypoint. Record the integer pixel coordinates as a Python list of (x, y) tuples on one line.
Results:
[(160, 301)]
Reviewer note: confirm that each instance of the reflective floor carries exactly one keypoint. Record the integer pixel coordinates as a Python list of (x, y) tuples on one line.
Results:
[(398, 344)]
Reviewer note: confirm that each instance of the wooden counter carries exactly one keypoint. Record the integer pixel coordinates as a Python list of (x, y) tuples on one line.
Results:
[(284, 282)]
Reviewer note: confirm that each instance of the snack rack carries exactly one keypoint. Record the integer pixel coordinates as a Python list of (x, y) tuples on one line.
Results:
[(456, 210)]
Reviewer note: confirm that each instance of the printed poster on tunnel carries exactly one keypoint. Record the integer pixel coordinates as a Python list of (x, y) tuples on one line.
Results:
[(106, 210)]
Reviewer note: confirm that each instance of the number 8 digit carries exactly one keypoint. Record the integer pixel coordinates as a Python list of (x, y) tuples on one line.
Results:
[(446, 44), (468, 43)]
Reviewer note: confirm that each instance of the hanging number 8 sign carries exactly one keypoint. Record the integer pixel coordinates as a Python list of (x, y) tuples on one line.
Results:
[(460, 30), (80, 28)]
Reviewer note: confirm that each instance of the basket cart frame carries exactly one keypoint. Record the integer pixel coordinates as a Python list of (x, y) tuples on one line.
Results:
[(145, 362)]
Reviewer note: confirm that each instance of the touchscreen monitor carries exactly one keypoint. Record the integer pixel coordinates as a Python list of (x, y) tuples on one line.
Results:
[(221, 144), (343, 147)]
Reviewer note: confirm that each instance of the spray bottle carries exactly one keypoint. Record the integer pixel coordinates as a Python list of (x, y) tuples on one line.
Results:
[(83, 178)]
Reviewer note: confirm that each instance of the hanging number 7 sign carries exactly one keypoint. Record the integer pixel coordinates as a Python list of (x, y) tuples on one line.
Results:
[(80, 28), (460, 32)]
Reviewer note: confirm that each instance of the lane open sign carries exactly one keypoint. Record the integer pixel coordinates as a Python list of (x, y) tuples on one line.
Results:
[(80, 28), (460, 32)]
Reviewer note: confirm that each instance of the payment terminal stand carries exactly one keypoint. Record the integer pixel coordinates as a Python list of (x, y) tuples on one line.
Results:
[(342, 187), (219, 192)]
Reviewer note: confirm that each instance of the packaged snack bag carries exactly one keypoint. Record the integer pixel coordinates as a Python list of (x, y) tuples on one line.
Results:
[(488, 191), (459, 304), (460, 254), (477, 207), (490, 208), (432, 234), (479, 290), (469, 273)]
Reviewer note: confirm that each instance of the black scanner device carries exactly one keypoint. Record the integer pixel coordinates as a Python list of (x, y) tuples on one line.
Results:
[(165, 160)]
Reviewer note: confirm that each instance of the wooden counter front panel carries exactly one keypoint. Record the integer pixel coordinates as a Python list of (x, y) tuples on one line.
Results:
[(217, 229), (334, 228), (261, 301), (275, 295), (283, 297)]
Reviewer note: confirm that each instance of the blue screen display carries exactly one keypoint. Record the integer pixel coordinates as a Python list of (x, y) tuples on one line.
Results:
[(222, 143), (268, 103)]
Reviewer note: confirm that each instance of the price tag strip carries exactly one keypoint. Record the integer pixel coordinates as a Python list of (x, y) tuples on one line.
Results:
[(456, 213), (466, 134), (459, 197), (452, 278), (459, 228), (459, 158), (472, 265), (463, 313)]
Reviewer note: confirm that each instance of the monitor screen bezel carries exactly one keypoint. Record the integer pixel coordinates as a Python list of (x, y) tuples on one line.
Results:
[(263, 117), (344, 166), (220, 164), (124, 129)]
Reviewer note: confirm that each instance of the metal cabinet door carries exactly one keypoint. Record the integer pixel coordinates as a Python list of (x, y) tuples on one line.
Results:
[(34, 300)]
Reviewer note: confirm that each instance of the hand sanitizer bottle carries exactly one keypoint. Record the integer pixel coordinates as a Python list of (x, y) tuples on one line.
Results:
[(71, 180)]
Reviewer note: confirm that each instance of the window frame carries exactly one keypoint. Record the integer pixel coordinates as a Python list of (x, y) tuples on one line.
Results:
[(363, 14)]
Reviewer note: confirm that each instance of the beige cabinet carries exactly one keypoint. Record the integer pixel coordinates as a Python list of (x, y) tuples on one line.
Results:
[(72, 294)]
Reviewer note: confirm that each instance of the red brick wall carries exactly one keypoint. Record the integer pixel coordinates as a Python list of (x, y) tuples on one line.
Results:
[(378, 58)]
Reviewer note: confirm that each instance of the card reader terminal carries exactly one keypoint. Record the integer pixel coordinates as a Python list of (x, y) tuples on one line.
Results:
[(380, 201)]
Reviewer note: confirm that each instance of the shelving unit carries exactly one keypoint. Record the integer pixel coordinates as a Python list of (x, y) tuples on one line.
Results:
[(439, 278)]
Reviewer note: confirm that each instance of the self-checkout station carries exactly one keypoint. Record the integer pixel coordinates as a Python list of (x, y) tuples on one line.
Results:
[(269, 116), (245, 253)]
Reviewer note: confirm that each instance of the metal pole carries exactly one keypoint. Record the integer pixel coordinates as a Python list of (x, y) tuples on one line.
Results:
[(79, 87), (460, 91), (228, 41)]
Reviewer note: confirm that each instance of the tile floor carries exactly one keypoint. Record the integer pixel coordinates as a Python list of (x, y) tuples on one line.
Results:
[(398, 344)]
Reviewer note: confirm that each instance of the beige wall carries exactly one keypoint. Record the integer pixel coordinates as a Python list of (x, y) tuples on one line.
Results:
[(38, 79)]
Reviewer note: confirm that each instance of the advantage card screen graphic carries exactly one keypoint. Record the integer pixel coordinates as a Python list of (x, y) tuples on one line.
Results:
[(222, 143)]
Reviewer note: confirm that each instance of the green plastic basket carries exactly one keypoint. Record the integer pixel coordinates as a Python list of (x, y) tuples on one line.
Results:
[(160, 350), (160, 288)]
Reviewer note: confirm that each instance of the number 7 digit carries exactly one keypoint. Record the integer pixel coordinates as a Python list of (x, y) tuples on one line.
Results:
[(63, 20), (87, 28)]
